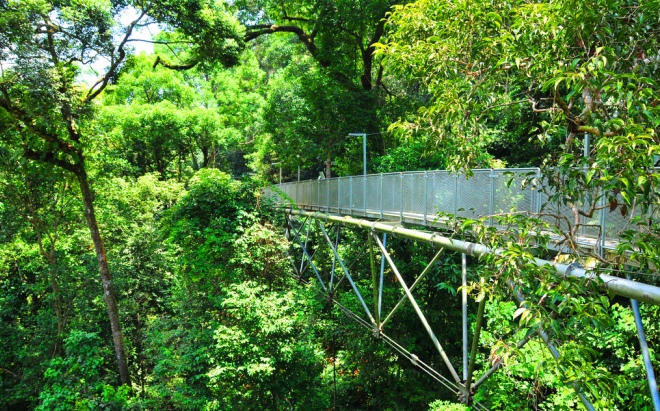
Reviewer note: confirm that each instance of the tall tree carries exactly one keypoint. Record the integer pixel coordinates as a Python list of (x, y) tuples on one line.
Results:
[(340, 35), (587, 72), (42, 47), (39, 194)]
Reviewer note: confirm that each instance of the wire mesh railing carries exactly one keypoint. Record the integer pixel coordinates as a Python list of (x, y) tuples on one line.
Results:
[(419, 196)]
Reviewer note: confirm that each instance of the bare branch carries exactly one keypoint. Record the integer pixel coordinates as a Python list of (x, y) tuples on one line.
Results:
[(102, 83), (158, 42), (10, 373)]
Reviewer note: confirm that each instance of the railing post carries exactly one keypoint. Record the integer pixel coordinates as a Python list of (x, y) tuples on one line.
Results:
[(339, 195), (318, 195), (491, 203), (401, 196), (455, 194), (433, 188), (602, 221), (537, 206), (364, 194), (327, 196), (381, 195), (426, 193), (350, 188)]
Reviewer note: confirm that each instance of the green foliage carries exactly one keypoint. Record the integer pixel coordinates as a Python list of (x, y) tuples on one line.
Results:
[(266, 353), (310, 116), (75, 382), (446, 406), (214, 36), (210, 316), (410, 157), (165, 121)]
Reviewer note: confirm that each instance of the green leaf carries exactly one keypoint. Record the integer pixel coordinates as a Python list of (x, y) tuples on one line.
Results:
[(519, 311)]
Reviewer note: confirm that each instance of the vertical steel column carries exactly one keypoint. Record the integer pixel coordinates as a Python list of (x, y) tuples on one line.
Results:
[(644, 348), (374, 281), (327, 196), (414, 284), (311, 263), (465, 315), (318, 195), (382, 271), (421, 316), (347, 274), (334, 260), (302, 260)]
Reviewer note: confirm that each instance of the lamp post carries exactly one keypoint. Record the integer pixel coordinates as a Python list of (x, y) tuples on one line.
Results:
[(364, 148), (278, 164), (298, 158)]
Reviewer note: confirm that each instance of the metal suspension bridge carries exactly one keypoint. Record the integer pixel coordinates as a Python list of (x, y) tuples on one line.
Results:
[(405, 206)]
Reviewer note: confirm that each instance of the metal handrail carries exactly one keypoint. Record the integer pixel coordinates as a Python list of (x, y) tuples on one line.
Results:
[(417, 196)]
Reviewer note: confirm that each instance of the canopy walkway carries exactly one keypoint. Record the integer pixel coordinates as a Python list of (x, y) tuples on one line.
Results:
[(406, 206)]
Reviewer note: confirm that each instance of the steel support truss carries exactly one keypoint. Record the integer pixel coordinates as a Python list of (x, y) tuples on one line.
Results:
[(300, 224)]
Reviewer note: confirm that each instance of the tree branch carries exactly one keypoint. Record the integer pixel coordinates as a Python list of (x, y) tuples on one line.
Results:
[(512, 103), (102, 83), (22, 122), (49, 157), (158, 42), (10, 373), (262, 29), (180, 67), (288, 18)]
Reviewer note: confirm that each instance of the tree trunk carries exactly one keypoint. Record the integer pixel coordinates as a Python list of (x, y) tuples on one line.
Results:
[(205, 156), (195, 163), (52, 276), (328, 169), (106, 278), (367, 61), (52, 266)]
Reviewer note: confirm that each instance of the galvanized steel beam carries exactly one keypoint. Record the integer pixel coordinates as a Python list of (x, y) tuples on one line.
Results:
[(421, 315), (626, 288)]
